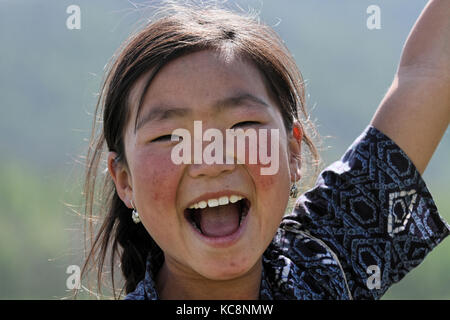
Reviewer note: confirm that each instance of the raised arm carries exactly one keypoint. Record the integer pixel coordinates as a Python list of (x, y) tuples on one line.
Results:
[(415, 112)]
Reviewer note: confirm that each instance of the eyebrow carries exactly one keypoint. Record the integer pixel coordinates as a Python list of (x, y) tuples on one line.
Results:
[(165, 112)]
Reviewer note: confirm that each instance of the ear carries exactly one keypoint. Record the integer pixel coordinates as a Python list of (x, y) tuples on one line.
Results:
[(295, 138), (122, 179)]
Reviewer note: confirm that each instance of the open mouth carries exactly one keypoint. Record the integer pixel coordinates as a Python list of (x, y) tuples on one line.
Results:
[(212, 219)]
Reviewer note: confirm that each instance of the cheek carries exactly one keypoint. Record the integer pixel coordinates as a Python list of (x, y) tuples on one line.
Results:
[(155, 183), (155, 179), (272, 190), (264, 182), (279, 175)]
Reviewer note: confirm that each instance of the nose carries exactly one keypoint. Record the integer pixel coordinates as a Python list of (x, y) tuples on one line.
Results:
[(209, 170), (207, 164)]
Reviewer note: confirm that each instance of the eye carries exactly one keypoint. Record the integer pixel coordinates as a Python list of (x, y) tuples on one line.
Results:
[(246, 123), (167, 137)]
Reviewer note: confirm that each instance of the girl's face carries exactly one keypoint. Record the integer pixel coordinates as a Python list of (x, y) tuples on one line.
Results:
[(223, 93)]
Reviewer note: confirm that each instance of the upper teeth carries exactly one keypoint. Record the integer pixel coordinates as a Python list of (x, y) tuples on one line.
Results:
[(216, 202)]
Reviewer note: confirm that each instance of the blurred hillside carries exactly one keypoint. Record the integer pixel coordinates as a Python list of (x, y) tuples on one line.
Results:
[(49, 77)]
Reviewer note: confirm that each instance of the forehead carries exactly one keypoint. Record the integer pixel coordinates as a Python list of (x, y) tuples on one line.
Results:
[(197, 80)]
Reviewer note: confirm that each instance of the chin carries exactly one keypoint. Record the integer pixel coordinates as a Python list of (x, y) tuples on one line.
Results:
[(228, 269)]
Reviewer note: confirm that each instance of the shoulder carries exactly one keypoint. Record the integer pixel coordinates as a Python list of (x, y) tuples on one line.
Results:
[(301, 266), (371, 208)]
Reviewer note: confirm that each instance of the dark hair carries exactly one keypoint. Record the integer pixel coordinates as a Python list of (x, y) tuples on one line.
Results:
[(182, 30)]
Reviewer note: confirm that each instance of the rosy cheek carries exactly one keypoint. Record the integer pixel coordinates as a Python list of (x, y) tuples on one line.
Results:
[(156, 176), (272, 189), (263, 182), (264, 178)]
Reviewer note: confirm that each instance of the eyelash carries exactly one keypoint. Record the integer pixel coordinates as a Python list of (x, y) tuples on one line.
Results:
[(243, 123), (168, 137)]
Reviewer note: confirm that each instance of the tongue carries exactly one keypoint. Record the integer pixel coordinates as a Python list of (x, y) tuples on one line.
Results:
[(219, 221)]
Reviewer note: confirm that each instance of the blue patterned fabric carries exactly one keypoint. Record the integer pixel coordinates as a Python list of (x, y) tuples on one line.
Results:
[(369, 220)]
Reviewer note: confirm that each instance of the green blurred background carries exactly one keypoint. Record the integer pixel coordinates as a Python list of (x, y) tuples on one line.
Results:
[(49, 78)]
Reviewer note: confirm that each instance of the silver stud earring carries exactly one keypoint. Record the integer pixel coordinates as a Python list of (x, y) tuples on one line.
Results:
[(135, 214), (293, 192)]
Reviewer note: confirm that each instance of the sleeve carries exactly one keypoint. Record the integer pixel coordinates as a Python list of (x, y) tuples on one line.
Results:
[(373, 209)]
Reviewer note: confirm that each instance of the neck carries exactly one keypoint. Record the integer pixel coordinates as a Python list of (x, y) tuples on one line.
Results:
[(174, 284)]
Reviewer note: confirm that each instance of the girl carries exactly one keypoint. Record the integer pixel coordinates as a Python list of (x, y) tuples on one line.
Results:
[(217, 230)]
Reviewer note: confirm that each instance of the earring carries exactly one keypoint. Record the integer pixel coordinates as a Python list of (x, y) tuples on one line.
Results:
[(135, 214), (293, 192)]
